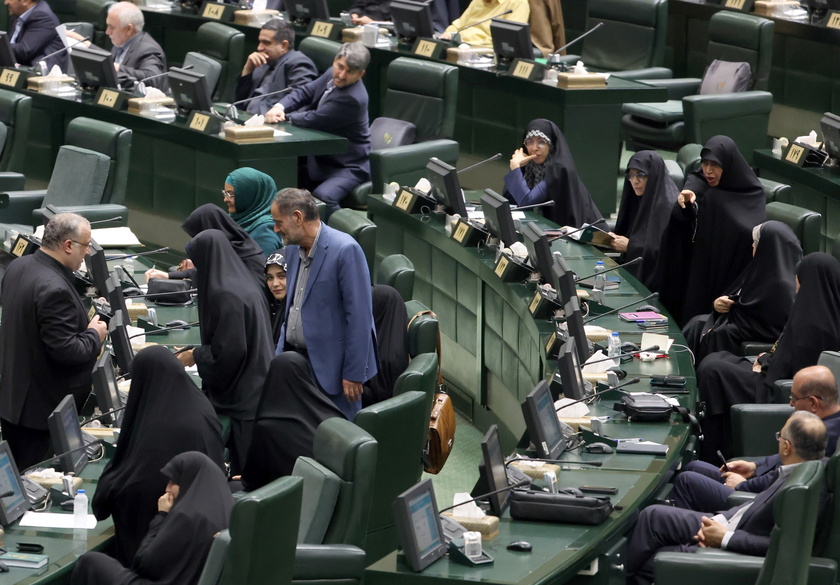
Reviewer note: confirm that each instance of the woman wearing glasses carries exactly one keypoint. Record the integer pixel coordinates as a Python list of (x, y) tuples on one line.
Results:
[(248, 194), (544, 170), (647, 198)]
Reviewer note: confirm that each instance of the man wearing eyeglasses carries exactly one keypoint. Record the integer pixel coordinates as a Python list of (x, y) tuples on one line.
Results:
[(703, 486), (48, 342)]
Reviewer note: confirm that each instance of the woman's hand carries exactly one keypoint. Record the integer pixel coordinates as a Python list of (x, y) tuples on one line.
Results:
[(619, 243), (686, 196), (723, 304), (186, 358), (757, 365), (165, 503), (357, 20), (154, 273), (185, 264), (520, 159)]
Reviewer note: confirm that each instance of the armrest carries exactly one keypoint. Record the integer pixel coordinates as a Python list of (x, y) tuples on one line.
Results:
[(328, 561), (392, 162), (822, 572), (21, 205), (738, 498), (755, 347), (706, 566), (677, 88), (781, 391), (10, 181), (723, 106), (646, 73), (91, 212)]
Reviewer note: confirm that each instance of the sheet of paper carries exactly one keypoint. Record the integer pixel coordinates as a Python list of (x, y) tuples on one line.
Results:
[(517, 214), (62, 34), (278, 132), (51, 520), (117, 237)]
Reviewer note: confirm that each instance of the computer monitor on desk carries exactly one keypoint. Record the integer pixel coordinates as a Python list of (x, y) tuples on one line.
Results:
[(446, 188), (97, 268), (189, 90), (574, 327), (412, 20), (66, 435), (7, 56), (303, 11), (511, 40), (118, 333), (541, 420), (418, 526), (498, 219), (15, 503), (495, 471), (568, 366), (94, 67), (107, 391), (539, 253)]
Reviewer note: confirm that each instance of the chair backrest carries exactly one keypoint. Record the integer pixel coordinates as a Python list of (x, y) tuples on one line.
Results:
[(321, 51), (15, 113), (633, 36), (209, 67), (263, 535), (795, 512), (397, 271), (827, 542), (754, 427), (111, 140), (349, 452), (361, 228), (774, 191), (423, 330), (216, 559), (831, 360), (420, 376), (424, 93), (94, 12), (806, 224), (321, 487), (400, 426), (742, 37), (227, 46), (78, 178)]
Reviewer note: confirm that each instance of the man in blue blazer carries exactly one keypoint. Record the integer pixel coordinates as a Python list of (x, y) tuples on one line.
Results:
[(329, 315), (336, 103), (33, 35), (744, 529)]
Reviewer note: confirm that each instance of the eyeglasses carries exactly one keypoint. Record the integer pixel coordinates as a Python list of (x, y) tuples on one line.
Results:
[(779, 437), (531, 142), (636, 176), (227, 194), (795, 398), (86, 246)]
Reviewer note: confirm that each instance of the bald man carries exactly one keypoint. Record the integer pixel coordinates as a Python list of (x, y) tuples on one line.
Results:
[(703, 486)]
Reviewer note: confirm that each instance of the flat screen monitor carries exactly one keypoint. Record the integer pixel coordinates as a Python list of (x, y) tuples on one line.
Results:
[(494, 470), (115, 296), (118, 333), (539, 253), (304, 11), (541, 420), (418, 525), (94, 67), (97, 268), (189, 90), (412, 19), (497, 217), (830, 125), (511, 40), (565, 279), (16, 503), (446, 188), (574, 326), (66, 435), (106, 390), (7, 56), (571, 376)]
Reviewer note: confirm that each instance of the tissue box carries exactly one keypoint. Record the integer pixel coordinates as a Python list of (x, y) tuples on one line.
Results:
[(39, 83), (249, 134), (595, 336), (136, 310), (487, 526), (596, 378), (537, 472), (253, 17), (353, 34), (576, 422), (581, 80), (771, 8), (138, 105), (56, 483), (452, 53)]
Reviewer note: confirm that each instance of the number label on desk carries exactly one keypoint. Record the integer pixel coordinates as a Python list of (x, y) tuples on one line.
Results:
[(735, 4), (425, 49), (324, 29), (429, 48), (9, 77), (535, 302), (501, 266), (523, 69), (199, 122), (794, 154), (107, 98), (460, 232), (404, 200), (213, 11), (550, 343), (833, 20), (20, 247)]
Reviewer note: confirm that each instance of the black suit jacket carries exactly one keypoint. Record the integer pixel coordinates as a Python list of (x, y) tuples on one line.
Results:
[(46, 349), (143, 58), (752, 536), (293, 69), (37, 37)]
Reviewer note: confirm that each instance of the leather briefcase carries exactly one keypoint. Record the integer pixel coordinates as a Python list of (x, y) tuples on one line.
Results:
[(565, 508), (169, 292), (441, 434)]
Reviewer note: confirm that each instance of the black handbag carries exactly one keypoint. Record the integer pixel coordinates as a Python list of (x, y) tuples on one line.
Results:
[(644, 407), (564, 508), (169, 292)]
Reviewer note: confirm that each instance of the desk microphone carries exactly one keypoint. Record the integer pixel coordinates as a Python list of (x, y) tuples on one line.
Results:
[(140, 84), (56, 458), (172, 328), (7, 494), (533, 205), (552, 59), (621, 355), (138, 254), (627, 306), (231, 109), (596, 394), (518, 484), (616, 267), (117, 218), (42, 63), (496, 156), (86, 422), (562, 461), (456, 36), (567, 234)]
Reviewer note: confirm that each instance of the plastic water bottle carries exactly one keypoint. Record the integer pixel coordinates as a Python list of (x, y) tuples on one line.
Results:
[(615, 347), (128, 265), (80, 509), (600, 282)]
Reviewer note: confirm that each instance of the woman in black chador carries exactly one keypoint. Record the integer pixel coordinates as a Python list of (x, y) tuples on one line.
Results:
[(544, 170), (724, 379), (236, 342), (391, 322), (756, 306), (195, 506), (648, 195), (165, 415), (707, 242)]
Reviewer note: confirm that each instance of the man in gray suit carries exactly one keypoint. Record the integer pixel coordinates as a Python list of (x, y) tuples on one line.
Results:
[(136, 54)]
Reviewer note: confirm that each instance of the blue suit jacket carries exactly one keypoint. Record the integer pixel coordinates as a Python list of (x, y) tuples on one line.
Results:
[(337, 315), (345, 113), (38, 37), (293, 69)]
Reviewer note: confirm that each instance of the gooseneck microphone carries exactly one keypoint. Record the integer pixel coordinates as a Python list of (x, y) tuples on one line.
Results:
[(533, 206), (596, 394), (58, 457), (518, 484), (567, 234), (553, 58), (627, 306), (496, 156), (138, 254), (231, 109), (42, 62), (86, 422), (610, 269), (456, 36), (621, 355), (172, 328)]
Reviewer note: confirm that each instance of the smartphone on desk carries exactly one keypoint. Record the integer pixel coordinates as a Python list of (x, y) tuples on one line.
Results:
[(35, 493)]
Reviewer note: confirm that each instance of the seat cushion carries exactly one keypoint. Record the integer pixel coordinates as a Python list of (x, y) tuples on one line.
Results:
[(389, 132), (662, 112), (78, 178), (726, 77), (320, 493)]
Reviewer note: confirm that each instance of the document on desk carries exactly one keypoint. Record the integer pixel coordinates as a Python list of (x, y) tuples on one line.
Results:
[(116, 237), (51, 520)]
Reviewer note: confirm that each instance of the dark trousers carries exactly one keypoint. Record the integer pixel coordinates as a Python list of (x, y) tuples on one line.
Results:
[(700, 488), (29, 446), (331, 191), (659, 528)]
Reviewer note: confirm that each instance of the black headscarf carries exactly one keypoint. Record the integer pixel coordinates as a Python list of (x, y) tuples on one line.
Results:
[(391, 320), (642, 218), (277, 308), (236, 342), (175, 549), (572, 203), (694, 271), (165, 415)]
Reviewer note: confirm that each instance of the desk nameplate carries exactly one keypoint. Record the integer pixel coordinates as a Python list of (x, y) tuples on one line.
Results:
[(430, 48), (204, 122), (218, 11), (324, 29), (14, 78), (527, 69)]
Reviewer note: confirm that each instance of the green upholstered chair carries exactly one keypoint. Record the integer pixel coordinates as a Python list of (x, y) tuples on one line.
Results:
[(259, 546), (89, 146), (795, 510), (94, 12), (420, 376), (361, 228), (350, 453), (400, 425), (397, 271), (632, 42), (805, 223), (423, 330), (210, 68), (687, 118), (15, 113), (830, 359), (321, 51), (754, 428), (425, 94), (225, 45), (775, 191), (823, 569)]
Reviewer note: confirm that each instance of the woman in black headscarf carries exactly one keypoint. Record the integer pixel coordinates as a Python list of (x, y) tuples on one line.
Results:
[(545, 171), (707, 242), (813, 327), (165, 415), (391, 321), (648, 195), (756, 306), (275, 281), (195, 506), (236, 343)]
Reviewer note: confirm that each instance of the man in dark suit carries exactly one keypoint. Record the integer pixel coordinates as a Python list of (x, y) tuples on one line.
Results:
[(33, 33), (336, 103), (48, 344), (136, 54), (744, 529), (274, 66), (703, 486)]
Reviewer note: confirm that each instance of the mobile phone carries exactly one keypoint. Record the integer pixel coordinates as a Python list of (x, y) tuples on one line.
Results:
[(723, 460), (668, 381), (594, 489)]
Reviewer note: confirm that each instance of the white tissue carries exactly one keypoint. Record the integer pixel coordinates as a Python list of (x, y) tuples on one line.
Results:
[(578, 410), (810, 139), (589, 368), (519, 250), (423, 185), (55, 71), (253, 121), (48, 473), (579, 68), (468, 509), (154, 93), (260, 4)]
